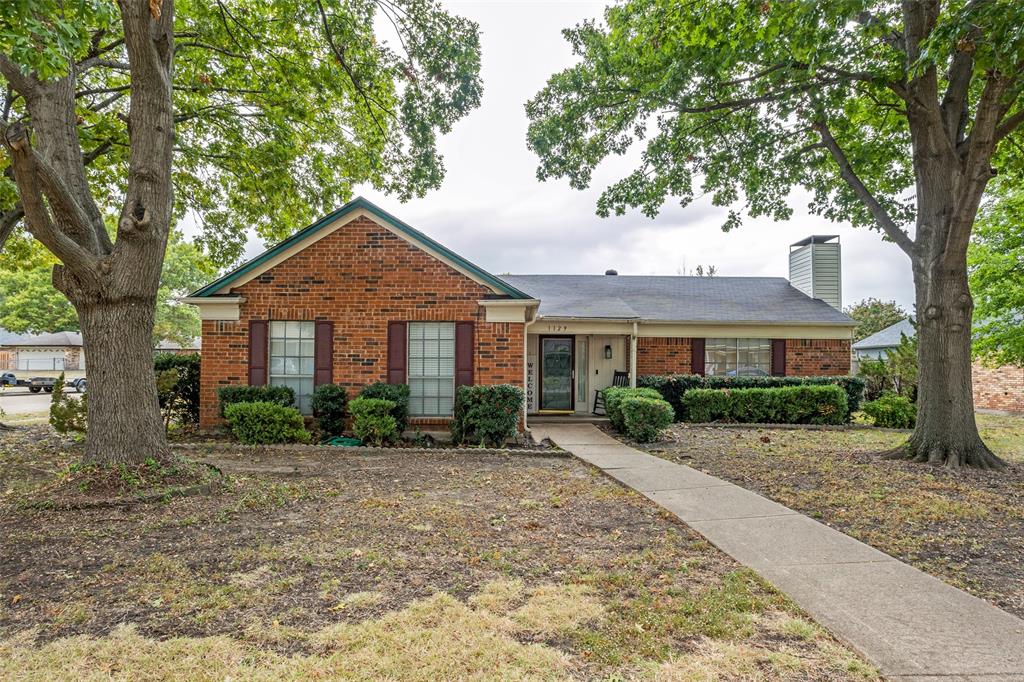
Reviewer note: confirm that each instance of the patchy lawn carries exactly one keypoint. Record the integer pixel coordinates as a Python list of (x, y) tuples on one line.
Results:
[(965, 527), (398, 566)]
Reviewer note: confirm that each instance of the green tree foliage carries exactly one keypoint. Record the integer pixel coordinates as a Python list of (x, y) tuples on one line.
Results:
[(30, 303), (873, 315), (996, 260), (889, 115)]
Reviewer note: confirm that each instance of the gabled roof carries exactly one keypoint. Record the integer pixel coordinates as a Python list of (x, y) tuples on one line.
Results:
[(246, 270), (888, 337), (758, 300), (49, 340)]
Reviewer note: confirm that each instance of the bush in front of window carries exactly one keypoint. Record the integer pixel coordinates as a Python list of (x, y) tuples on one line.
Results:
[(329, 404), (265, 423), (373, 421), (395, 393), (644, 418), (782, 405), (279, 395), (613, 397), (892, 411), (674, 387), (486, 415)]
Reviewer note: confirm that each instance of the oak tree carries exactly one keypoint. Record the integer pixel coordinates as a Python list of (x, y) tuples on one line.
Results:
[(242, 113), (893, 115)]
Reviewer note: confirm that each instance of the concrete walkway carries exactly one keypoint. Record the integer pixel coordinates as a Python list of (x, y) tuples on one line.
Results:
[(912, 626)]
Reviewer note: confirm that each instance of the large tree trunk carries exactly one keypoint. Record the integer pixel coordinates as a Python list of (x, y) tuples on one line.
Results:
[(125, 425)]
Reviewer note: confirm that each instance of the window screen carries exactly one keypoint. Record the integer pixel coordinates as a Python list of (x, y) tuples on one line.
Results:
[(431, 368), (738, 357), (291, 360)]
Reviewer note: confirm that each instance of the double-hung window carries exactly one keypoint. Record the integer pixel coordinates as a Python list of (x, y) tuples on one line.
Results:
[(431, 369), (738, 357), (291, 360)]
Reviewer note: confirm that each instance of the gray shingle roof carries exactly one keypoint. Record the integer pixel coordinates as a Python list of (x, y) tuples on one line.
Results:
[(53, 339), (888, 337), (770, 300)]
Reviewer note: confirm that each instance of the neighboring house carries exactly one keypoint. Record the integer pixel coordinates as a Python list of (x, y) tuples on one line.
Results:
[(999, 388), (360, 297), (54, 351), (168, 346)]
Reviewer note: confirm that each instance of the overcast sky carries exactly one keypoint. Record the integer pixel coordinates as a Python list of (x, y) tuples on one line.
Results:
[(493, 211)]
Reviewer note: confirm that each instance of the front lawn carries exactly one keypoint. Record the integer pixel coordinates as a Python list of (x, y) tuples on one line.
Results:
[(965, 527), (421, 566)]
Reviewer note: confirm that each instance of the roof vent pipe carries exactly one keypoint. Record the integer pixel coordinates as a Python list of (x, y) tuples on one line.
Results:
[(611, 272)]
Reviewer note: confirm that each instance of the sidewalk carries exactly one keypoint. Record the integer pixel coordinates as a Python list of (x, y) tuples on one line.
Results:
[(914, 627)]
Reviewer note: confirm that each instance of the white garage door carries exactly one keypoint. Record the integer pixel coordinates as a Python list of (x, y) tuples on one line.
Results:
[(41, 360)]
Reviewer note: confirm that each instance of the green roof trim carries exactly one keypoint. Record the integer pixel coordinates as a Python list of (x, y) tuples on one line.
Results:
[(360, 203)]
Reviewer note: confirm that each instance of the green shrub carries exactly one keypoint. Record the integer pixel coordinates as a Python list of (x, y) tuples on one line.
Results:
[(263, 423), (373, 421), (67, 413), (396, 393), (783, 405), (892, 411), (674, 386), (279, 395), (644, 418), (486, 415), (179, 399), (613, 397), (329, 403)]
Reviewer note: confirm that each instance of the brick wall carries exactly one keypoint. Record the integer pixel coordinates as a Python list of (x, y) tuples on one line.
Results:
[(663, 356), (998, 388), (361, 276), (804, 357)]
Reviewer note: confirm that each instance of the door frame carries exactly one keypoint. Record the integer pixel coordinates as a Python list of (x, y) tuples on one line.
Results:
[(540, 373)]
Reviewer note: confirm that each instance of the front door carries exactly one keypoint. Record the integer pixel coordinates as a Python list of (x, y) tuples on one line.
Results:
[(556, 373)]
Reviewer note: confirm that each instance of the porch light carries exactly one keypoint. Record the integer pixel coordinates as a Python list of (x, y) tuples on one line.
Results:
[(608, 352)]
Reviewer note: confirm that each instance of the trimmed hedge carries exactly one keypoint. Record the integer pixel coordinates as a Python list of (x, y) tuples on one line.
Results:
[(373, 420), (783, 405), (673, 387), (329, 402), (486, 415), (396, 393), (263, 423), (644, 418), (613, 397), (892, 411), (181, 397), (279, 395)]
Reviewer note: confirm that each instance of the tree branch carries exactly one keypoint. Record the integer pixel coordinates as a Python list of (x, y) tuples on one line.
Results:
[(8, 220), (24, 85), (878, 212), (1009, 124)]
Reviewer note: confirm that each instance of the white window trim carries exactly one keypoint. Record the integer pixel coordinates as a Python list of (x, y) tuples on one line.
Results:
[(736, 349), (270, 338), (408, 366)]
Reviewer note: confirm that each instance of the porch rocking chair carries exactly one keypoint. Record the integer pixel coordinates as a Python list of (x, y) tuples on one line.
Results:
[(618, 379)]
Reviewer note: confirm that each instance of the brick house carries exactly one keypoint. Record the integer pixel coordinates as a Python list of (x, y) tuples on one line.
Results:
[(996, 388), (360, 297)]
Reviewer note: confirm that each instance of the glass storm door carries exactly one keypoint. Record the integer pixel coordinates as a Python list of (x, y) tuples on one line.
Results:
[(556, 372)]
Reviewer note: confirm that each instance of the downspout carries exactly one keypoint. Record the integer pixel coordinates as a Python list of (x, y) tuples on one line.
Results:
[(632, 354)]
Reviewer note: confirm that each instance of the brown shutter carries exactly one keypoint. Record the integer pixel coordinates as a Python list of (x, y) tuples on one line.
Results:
[(257, 352), (778, 357), (323, 353), (398, 354), (463, 354), (697, 356)]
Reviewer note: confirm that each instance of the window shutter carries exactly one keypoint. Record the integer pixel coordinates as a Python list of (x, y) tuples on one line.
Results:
[(697, 356), (323, 353), (257, 352), (778, 357), (398, 355), (463, 354)]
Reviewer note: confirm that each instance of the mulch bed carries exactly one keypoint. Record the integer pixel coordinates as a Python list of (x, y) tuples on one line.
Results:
[(963, 526)]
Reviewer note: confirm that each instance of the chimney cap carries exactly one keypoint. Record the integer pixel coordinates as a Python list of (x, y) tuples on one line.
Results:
[(611, 272), (816, 239)]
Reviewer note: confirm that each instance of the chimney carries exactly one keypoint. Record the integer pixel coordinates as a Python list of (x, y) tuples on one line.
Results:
[(611, 272), (815, 268)]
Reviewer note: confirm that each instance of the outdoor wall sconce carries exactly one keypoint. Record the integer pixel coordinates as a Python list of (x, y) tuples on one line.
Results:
[(608, 352)]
